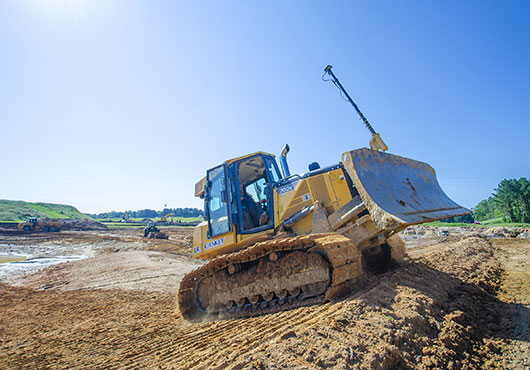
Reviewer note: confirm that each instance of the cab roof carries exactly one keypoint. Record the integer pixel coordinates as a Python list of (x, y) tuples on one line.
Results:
[(247, 156), (199, 186)]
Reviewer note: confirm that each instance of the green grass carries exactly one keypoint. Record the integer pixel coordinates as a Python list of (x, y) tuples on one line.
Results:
[(16, 210), (156, 219), (510, 224), (116, 225), (5, 259), (493, 221)]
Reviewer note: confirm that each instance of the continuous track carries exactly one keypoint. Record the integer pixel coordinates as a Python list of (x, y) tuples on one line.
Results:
[(272, 276)]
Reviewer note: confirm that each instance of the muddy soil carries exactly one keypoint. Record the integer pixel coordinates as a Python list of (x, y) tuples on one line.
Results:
[(43, 249), (455, 303)]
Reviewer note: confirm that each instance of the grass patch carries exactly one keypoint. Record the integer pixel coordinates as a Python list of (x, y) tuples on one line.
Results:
[(5, 259), (155, 219), (510, 224), (493, 221), (17, 210), (119, 225)]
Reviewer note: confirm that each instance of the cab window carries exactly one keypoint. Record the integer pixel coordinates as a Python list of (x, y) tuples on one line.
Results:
[(273, 169), (217, 202), (255, 194)]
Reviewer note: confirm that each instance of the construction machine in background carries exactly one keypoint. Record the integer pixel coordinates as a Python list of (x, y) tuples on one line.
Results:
[(278, 240), (125, 217), (164, 220), (33, 224), (151, 231)]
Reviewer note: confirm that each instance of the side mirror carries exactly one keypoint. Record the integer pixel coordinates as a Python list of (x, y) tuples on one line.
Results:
[(207, 188)]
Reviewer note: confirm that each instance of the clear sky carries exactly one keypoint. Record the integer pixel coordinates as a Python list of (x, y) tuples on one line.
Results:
[(114, 105)]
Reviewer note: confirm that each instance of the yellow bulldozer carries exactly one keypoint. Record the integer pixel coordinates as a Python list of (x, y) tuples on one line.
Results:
[(278, 240), (33, 224)]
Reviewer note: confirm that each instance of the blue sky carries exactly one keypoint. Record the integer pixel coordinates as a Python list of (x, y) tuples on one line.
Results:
[(114, 105)]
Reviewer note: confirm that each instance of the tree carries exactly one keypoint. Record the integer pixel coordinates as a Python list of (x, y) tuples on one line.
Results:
[(513, 197), (466, 219)]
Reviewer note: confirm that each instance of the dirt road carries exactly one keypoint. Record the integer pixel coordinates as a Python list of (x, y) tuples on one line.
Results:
[(462, 303)]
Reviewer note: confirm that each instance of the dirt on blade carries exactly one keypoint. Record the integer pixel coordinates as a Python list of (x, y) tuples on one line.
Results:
[(460, 303)]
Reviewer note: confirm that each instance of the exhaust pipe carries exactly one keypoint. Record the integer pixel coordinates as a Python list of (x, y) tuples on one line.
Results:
[(283, 161)]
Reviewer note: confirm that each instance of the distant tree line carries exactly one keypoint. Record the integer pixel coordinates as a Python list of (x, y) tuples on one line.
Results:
[(149, 213), (510, 201), (466, 219)]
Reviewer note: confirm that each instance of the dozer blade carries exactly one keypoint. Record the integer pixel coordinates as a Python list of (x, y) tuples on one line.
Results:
[(398, 191)]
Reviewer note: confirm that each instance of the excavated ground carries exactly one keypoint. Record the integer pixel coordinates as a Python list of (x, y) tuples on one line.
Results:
[(461, 302)]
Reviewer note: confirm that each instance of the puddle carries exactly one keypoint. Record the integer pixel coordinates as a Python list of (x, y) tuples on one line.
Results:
[(24, 265)]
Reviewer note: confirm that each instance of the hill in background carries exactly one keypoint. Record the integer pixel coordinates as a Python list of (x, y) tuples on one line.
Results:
[(16, 210)]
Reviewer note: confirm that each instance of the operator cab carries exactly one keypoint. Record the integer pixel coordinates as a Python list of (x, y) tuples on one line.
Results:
[(239, 192)]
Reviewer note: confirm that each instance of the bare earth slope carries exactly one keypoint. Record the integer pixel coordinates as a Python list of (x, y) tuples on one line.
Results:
[(459, 304)]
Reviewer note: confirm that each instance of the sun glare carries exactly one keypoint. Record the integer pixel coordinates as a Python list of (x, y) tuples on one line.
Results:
[(71, 7)]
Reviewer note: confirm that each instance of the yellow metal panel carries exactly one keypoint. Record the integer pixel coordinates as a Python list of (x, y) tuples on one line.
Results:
[(330, 188), (340, 187), (304, 226), (321, 189), (244, 240), (276, 199), (198, 232), (215, 246), (293, 201)]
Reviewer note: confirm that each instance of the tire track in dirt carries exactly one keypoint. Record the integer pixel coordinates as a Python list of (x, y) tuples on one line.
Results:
[(388, 324)]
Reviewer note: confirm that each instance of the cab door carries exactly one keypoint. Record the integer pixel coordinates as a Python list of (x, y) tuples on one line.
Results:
[(254, 195), (217, 201)]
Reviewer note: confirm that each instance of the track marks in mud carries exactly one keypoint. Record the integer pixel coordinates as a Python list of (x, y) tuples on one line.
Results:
[(436, 311)]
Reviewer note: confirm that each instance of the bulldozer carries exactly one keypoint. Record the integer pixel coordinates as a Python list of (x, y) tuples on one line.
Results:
[(277, 240), (33, 224), (151, 231)]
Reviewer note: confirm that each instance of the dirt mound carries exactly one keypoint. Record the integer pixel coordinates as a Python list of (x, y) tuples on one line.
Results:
[(77, 224), (441, 310)]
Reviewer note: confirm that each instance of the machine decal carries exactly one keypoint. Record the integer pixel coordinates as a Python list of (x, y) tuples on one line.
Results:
[(197, 249), (306, 197), (214, 243), (286, 188)]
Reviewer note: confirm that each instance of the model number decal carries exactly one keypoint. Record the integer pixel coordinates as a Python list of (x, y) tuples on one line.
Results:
[(214, 243), (286, 188), (197, 249)]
